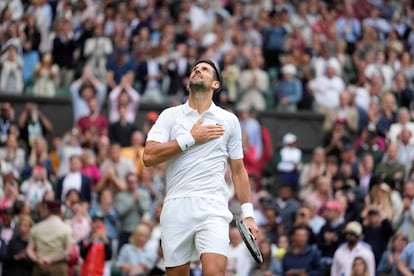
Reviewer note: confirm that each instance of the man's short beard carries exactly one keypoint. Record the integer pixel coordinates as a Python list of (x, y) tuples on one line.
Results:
[(197, 86)]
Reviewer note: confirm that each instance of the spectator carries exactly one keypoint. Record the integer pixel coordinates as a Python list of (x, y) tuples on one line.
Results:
[(404, 219), (95, 249), (274, 36), (63, 49), (90, 167), (286, 207), (68, 147), (401, 90), (270, 264), (138, 256), (344, 112), (405, 153), (80, 222), (11, 76), (239, 261), (326, 89), (349, 27), (254, 86), (82, 90), (50, 243), (331, 234), (118, 64), (119, 164), (12, 157), (124, 95), (45, 74), (8, 226), (311, 171), (403, 122), (95, 122), (322, 192), (7, 119), (360, 267), (121, 130), (31, 43), (390, 258), (17, 261), (96, 50), (36, 186), (300, 257), (290, 158), (106, 210), (74, 179), (405, 263), (389, 166), (353, 247), (377, 225), (303, 219), (33, 123), (288, 92), (388, 114)]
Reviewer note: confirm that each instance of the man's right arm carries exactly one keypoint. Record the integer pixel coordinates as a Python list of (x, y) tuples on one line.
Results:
[(156, 153)]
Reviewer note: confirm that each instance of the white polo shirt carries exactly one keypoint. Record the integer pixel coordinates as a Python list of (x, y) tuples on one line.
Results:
[(198, 171)]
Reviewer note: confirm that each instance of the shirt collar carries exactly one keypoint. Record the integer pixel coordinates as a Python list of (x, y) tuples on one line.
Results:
[(188, 110)]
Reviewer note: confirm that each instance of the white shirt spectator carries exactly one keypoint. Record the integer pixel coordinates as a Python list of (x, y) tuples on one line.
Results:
[(327, 90), (33, 191), (73, 180), (344, 257)]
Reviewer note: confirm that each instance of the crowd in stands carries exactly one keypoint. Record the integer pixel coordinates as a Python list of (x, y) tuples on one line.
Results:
[(349, 210)]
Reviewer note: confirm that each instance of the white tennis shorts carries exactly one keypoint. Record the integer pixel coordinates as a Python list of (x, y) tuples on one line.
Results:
[(192, 226)]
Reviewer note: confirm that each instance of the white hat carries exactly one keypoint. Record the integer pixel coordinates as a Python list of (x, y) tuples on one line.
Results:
[(289, 69), (289, 138)]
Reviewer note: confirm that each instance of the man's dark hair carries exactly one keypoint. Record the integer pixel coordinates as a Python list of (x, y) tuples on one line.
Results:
[(212, 64)]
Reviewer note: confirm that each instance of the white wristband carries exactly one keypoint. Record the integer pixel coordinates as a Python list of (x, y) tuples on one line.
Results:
[(247, 210), (185, 141)]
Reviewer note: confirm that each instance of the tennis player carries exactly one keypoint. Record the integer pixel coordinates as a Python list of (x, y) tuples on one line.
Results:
[(199, 140)]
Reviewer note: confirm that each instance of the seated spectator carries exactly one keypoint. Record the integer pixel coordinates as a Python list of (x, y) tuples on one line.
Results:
[(74, 179), (138, 256), (7, 120), (67, 148), (80, 222), (106, 210), (36, 186), (404, 218), (254, 86), (121, 165), (32, 123), (369, 142), (31, 42), (286, 206), (124, 95), (82, 90), (388, 114), (301, 257), (290, 158), (389, 166), (352, 248), (239, 260), (11, 76), (45, 74), (128, 207), (326, 89), (388, 262), (95, 249), (121, 130), (405, 153), (110, 181), (90, 168), (403, 122), (288, 92), (311, 171), (12, 157), (401, 90), (38, 156), (360, 267), (150, 74), (405, 263), (380, 199), (95, 122), (303, 219), (8, 225), (96, 50), (322, 192), (345, 112), (118, 64), (17, 261)]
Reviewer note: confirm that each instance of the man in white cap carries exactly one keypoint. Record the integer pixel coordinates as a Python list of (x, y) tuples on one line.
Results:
[(288, 92), (353, 247)]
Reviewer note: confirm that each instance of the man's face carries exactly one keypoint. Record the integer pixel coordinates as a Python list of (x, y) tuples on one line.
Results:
[(202, 76)]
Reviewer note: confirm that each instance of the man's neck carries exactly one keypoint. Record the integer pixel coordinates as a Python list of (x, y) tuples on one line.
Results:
[(200, 102)]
